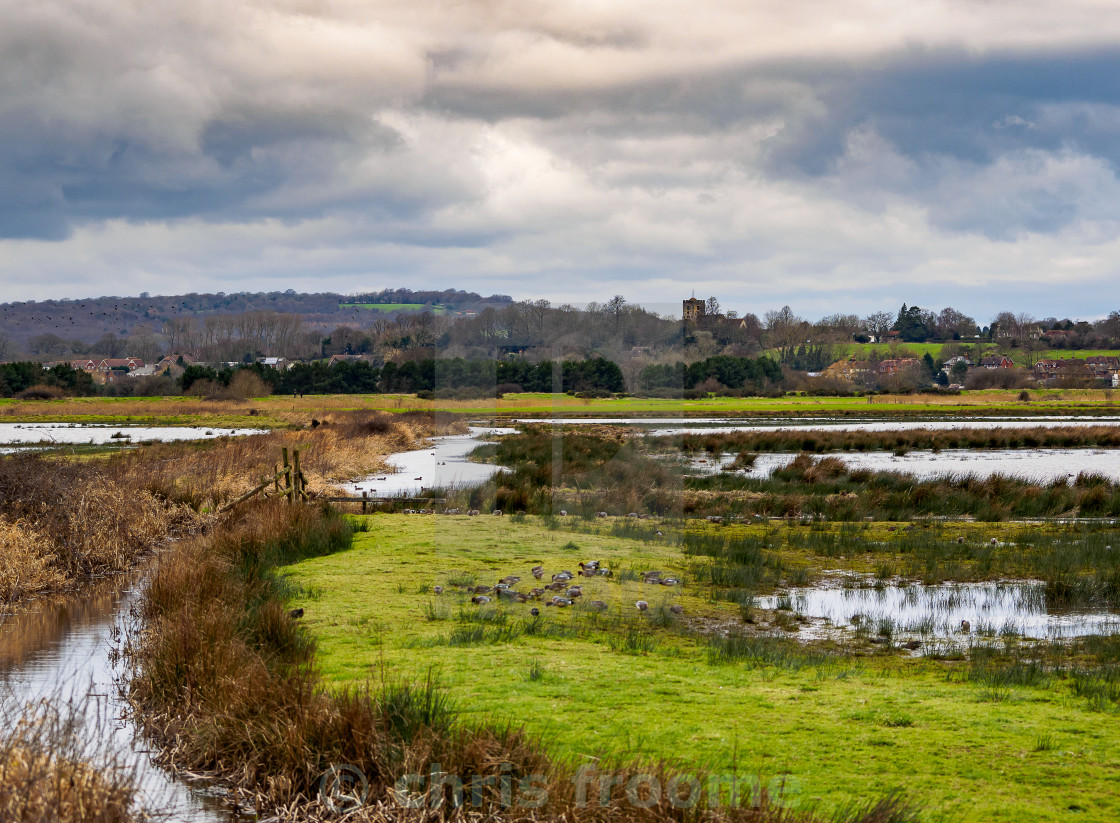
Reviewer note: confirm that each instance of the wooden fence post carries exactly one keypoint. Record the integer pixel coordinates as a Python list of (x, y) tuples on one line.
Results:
[(287, 475), (297, 478)]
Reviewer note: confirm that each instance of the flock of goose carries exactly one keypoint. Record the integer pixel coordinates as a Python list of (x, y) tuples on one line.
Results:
[(563, 586)]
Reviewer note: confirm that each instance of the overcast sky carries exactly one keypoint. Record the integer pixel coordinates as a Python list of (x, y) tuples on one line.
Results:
[(833, 156)]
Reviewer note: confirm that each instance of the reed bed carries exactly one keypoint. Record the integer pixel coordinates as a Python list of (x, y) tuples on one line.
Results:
[(334, 448), (61, 522), (55, 769), (818, 441), (225, 678)]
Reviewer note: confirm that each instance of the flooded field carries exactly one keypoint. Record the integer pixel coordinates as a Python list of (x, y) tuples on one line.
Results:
[(664, 426), (444, 464), (1036, 465), (957, 611), (52, 434)]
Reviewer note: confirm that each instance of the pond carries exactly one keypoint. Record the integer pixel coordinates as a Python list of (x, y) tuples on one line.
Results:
[(51, 434), (1011, 608), (1035, 465), (664, 426), (444, 464)]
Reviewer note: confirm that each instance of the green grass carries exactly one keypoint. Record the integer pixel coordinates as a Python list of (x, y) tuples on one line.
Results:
[(385, 308), (620, 684)]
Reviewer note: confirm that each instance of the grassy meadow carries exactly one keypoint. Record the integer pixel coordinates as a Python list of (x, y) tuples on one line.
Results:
[(283, 411), (841, 721)]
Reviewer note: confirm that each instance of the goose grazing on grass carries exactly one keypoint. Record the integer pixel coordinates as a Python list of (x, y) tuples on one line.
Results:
[(537, 572), (480, 599), (482, 589), (641, 605), (590, 565), (437, 589), (562, 577), (558, 586), (597, 606), (670, 581), (575, 591), (561, 602), (675, 609), (511, 579), (536, 593)]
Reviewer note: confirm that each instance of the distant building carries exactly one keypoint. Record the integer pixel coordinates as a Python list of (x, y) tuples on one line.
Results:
[(851, 370), (692, 310)]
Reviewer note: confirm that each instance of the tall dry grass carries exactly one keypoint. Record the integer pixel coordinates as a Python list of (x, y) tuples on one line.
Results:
[(342, 445), (226, 681), (53, 770), (64, 521)]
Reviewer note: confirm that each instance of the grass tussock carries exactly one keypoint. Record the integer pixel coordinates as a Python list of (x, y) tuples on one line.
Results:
[(227, 680), (61, 522), (51, 772)]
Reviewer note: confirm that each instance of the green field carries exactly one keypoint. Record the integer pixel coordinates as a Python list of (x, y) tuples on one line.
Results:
[(624, 685), (385, 308)]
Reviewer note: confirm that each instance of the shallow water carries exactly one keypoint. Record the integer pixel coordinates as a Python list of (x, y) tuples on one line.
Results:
[(81, 433), (1035, 465), (936, 612), (663, 426), (444, 464), (60, 649)]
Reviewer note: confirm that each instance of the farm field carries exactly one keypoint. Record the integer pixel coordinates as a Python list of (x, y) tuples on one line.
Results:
[(835, 721), (284, 410)]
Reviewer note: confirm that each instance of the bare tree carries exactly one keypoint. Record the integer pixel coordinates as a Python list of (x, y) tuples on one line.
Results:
[(784, 331), (878, 324)]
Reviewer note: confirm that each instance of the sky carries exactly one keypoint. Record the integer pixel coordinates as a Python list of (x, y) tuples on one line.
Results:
[(834, 157)]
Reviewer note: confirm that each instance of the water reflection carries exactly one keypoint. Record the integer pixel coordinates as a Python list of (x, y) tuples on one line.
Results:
[(1006, 608), (61, 648)]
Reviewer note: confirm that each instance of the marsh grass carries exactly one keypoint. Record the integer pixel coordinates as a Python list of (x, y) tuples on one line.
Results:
[(55, 766)]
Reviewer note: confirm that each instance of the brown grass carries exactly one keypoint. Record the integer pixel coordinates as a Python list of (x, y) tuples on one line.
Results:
[(226, 681), (64, 521), (50, 772), (342, 446)]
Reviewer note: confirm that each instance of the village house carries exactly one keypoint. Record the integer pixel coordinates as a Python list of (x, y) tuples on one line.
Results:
[(998, 361), (850, 370), (897, 365), (948, 365)]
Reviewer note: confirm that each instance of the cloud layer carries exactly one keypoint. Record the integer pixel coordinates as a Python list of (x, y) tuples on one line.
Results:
[(824, 155)]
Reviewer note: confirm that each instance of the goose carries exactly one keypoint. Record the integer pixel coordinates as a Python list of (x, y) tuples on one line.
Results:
[(563, 513), (575, 591), (482, 589), (562, 577), (590, 565), (536, 593), (675, 609), (966, 627), (641, 605), (295, 614), (670, 581), (537, 572), (561, 601), (480, 599), (437, 589), (558, 586), (497, 512), (511, 579)]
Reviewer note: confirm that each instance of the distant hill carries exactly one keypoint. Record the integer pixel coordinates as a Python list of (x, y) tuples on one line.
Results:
[(90, 319)]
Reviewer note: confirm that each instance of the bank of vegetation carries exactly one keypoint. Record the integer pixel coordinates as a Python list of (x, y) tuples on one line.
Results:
[(588, 469), (822, 440)]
